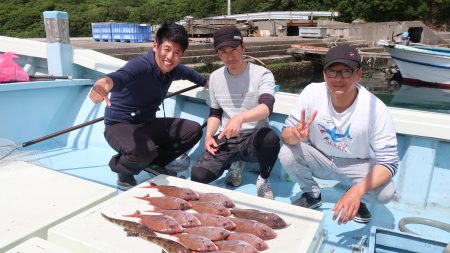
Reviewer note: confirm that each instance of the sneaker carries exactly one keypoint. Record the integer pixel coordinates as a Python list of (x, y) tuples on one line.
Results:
[(125, 182), (308, 201), (180, 164), (263, 188), (363, 215), (234, 174)]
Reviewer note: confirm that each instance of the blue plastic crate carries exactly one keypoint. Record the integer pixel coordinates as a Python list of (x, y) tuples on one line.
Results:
[(101, 31), (130, 32)]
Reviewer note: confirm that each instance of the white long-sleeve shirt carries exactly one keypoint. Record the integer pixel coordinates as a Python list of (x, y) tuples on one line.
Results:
[(364, 130)]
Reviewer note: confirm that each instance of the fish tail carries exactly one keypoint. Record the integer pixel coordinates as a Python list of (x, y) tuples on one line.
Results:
[(109, 218), (123, 223)]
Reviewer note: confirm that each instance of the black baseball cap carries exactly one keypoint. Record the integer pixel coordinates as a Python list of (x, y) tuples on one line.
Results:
[(343, 53), (227, 36)]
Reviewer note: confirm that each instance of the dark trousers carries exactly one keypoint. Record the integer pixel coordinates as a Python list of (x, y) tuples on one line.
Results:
[(158, 142), (261, 145)]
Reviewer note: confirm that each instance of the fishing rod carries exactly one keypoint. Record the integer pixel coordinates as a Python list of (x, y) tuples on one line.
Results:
[(6, 150)]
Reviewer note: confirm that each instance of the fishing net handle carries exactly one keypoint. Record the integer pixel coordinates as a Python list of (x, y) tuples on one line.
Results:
[(28, 143)]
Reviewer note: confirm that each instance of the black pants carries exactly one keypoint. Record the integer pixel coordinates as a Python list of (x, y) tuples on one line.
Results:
[(261, 145), (158, 142)]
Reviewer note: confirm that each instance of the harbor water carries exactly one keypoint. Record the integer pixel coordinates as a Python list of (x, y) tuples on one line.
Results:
[(373, 80)]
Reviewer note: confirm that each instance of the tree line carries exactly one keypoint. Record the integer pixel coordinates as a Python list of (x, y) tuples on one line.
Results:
[(24, 19)]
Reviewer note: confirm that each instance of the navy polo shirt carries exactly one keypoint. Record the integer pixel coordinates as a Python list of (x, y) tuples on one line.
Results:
[(139, 88)]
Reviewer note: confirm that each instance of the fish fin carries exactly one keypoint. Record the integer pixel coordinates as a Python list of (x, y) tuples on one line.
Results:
[(145, 197), (136, 214), (154, 210), (150, 185)]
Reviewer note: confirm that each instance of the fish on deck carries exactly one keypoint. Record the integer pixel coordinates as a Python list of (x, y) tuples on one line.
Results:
[(215, 220), (174, 191), (270, 219), (217, 197), (196, 242), (222, 251), (171, 203), (210, 207), (159, 223), (168, 245), (211, 232), (254, 227), (186, 219), (236, 246), (251, 239), (138, 229)]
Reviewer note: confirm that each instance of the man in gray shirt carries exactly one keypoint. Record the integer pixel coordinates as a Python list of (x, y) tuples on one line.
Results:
[(241, 97)]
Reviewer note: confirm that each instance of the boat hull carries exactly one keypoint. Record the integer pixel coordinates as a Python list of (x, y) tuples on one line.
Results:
[(426, 75), (422, 68)]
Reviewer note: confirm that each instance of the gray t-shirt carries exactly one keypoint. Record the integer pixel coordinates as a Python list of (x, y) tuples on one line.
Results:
[(237, 94)]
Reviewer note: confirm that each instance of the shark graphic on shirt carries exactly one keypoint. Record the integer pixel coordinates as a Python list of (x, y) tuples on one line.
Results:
[(333, 134)]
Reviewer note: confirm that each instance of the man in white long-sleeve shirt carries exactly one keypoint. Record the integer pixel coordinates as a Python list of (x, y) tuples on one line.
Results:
[(340, 131)]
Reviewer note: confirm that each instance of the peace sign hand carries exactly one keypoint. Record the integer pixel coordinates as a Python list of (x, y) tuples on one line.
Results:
[(300, 132)]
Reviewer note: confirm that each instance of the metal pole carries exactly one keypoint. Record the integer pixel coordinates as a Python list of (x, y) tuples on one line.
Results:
[(228, 7)]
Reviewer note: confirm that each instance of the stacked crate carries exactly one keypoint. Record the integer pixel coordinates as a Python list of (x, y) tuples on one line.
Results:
[(101, 31), (134, 33), (121, 32)]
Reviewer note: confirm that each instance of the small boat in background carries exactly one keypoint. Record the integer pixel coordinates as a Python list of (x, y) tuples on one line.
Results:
[(425, 73)]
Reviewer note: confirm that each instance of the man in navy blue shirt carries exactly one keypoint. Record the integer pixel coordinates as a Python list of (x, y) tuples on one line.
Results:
[(137, 90)]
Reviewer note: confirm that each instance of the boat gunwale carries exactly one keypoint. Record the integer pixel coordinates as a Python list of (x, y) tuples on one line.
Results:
[(421, 50)]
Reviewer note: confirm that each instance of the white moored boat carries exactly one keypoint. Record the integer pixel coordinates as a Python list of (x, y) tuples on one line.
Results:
[(425, 71)]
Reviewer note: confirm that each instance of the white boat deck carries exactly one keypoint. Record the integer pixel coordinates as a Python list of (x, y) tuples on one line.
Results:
[(304, 232), (38, 245), (35, 198)]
